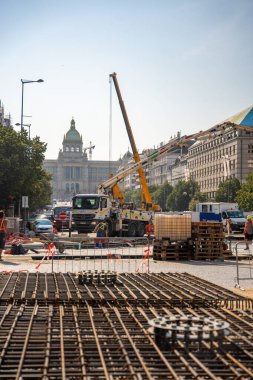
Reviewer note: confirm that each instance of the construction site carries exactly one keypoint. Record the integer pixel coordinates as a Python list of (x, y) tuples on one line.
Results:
[(169, 302)]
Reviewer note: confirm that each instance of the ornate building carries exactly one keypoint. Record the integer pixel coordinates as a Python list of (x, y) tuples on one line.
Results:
[(225, 155), (72, 172)]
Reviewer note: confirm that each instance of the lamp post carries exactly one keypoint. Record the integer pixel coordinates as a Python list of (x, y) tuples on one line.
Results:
[(25, 125), (24, 81)]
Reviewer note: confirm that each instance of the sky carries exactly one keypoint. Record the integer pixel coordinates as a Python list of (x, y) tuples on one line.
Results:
[(182, 65)]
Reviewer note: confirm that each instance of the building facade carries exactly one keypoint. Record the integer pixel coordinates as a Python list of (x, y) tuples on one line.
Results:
[(171, 167), (72, 172), (226, 155)]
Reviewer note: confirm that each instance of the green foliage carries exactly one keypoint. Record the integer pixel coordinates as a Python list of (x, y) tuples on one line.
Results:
[(160, 195), (21, 171), (181, 195), (228, 190), (244, 196), (133, 196)]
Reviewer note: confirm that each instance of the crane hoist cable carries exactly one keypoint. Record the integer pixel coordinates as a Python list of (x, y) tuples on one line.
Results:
[(110, 125)]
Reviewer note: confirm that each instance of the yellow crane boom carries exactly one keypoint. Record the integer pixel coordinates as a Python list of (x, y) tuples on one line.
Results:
[(145, 194)]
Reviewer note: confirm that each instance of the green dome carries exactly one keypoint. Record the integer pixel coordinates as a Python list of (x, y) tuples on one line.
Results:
[(73, 134), (127, 155)]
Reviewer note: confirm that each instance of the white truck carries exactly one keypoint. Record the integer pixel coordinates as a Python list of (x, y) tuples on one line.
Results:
[(90, 209), (226, 211)]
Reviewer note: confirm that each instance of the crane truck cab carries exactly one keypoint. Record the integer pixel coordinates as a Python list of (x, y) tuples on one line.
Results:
[(90, 209)]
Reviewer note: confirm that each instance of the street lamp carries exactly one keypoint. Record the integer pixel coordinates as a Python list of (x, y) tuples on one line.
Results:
[(24, 81), (25, 125)]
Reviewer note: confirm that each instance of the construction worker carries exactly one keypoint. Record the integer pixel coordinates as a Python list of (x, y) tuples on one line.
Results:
[(101, 230), (229, 225), (248, 231), (3, 232), (149, 229)]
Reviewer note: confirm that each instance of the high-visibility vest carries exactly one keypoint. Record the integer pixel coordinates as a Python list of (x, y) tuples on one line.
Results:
[(102, 226), (246, 226), (3, 225)]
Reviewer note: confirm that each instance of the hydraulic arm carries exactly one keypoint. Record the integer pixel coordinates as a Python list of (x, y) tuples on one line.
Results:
[(146, 198)]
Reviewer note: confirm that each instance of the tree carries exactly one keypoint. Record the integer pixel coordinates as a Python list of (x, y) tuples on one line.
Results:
[(160, 195), (244, 196), (227, 190), (181, 195), (198, 197), (134, 196), (21, 170)]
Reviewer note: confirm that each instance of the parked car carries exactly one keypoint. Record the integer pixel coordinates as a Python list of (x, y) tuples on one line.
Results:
[(32, 219), (43, 226)]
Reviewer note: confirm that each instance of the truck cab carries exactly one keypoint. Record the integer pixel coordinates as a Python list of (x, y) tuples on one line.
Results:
[(88, 210), (237, 220)]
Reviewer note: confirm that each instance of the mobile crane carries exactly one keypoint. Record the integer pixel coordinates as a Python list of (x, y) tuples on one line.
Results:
[(145, 194), (90, 209)]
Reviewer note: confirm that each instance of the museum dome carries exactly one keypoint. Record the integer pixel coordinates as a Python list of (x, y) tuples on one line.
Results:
[(72, 134), (127, 155)]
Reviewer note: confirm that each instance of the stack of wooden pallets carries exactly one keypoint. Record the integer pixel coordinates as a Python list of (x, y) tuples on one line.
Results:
[(165, 249), (208, 238)]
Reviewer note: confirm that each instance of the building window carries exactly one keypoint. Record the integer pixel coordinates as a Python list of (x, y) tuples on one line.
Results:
[(77, 172), (67, 187), (67, 149), (77, 149), (67, 172), (250, 148)]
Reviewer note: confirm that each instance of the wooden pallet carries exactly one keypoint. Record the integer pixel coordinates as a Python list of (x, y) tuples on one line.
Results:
[(177, 256), (206, 228), (202, 256)]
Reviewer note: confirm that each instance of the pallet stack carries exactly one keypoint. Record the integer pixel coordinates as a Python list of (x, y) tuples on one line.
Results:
[(165, 249), (172, 234), (208, 240)]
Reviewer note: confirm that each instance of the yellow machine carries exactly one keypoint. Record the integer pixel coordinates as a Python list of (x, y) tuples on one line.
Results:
[(145, 194)]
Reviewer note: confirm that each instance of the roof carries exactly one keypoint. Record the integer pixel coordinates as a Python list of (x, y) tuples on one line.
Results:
[(127, 155), (73, 134), (243, 118)]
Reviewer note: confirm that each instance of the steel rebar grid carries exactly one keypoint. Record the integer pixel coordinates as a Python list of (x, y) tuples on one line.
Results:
[(108, 342), (172, 289)]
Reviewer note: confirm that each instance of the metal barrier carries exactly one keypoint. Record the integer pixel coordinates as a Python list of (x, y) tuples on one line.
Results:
[(250, 258), (104, 254)]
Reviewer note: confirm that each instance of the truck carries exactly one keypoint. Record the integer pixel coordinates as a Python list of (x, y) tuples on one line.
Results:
[(224, 211), (107, 205), (58, 208), (90, 209)]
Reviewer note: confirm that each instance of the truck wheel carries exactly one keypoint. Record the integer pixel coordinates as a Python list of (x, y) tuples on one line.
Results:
[(141, 230), (132, 229)]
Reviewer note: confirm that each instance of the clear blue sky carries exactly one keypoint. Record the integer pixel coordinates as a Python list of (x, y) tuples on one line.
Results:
[(183, 65)]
